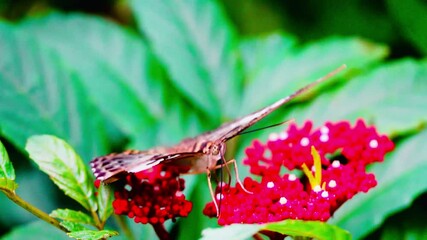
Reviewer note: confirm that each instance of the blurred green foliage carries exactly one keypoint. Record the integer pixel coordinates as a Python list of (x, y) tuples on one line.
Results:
[(111, 75)]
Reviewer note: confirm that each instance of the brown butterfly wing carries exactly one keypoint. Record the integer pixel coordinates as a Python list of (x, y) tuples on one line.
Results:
[(110, 167)]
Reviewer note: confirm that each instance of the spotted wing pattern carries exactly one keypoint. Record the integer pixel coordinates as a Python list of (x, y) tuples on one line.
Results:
[(110, 167)]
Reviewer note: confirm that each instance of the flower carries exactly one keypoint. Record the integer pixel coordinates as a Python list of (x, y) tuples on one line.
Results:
[(333, 159), (152, 196)]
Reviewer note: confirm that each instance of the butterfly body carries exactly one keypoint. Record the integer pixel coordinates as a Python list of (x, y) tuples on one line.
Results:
[(192, 155)]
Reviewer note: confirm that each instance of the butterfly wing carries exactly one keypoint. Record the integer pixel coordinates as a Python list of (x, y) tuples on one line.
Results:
[(231, 129), (109, 168)]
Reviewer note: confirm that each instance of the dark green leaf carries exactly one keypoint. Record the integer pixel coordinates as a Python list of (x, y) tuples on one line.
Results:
[(6, 168), (232, 232), (58, 160), (411, 17), (391, 96), (92, 234), (401, 178), (108, 58), (305, 65), (39, 95), (72, 216), (35, 230), (198, 46), (105, 199), (311, 229)]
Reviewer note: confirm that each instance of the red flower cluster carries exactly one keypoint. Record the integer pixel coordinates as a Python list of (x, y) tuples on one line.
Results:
[(152, 196), (318, 193)]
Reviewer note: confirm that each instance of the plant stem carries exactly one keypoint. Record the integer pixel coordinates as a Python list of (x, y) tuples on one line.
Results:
[(98, 222), (161, 232), (124, 226), (34, 210)]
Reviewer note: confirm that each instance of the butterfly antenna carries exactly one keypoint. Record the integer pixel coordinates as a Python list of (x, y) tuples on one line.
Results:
[(266, 127)]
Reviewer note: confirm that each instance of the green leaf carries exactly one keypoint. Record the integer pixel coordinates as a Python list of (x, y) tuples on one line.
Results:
[(92, 234), (305, 65), (391, 96), (66, 169), (294, 228), (232, 232), (108, 58), (39, 95), (198, 46), (406, 224), (6, 168), (265, 53), (401, 178), (35, 230), (411, 16), (72, 216), (105, 199), (311, 229), (73, 226)]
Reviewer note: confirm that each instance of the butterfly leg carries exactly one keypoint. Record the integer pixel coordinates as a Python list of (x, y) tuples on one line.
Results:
[(236, 171), (208, 174)]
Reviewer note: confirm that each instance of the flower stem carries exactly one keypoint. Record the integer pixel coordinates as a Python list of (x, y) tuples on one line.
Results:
[(161, 232), (34, 210)]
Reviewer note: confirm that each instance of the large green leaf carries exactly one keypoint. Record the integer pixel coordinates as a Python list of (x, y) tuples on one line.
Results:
[(39, 95), (6, 168), (117, 68), (392, 96), (35, 230), (311, 229), (401, 178), (294, 228), (260, 54), (198, 46), (232, 232), (58, 160), (304, 65)]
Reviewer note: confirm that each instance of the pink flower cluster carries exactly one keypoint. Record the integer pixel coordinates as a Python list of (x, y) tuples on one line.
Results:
[(152, 196), (343, 152)]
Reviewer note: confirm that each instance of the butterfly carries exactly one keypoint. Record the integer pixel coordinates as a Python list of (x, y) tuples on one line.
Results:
[(193, 155)]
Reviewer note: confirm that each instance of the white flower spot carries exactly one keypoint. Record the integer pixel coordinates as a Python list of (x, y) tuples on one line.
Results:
[(128, 187), (313, 168), (332, 184), (304, 142), (317, 188), (179, 194), (324, 130), (373, 143), (273, 137), (219, 196), (156, 188), (325, 194), (163, 173), (336, 164), (324, 137), (283, 200), (292, 177), (283, 135), (270, 184)]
